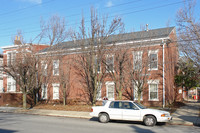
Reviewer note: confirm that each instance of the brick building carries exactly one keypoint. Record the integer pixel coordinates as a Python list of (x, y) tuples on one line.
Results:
[(158, 46), (11, 93)]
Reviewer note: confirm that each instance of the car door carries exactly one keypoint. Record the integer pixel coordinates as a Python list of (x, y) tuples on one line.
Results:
[(130, 112), (115, 110)]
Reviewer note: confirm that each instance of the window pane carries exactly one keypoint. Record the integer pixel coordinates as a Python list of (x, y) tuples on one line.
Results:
[(153, 91), (137, 60), (136, 93), (55, 92), (110, 91), (110, 63), (98, 92), (153, 61), (56, 67)]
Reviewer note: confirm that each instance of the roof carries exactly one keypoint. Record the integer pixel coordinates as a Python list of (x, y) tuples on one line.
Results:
[(133, 36)]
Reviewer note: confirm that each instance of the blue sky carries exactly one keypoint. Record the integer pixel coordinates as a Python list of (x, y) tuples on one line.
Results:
[(25, 15)]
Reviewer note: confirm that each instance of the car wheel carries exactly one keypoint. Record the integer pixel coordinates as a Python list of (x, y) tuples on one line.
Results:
[(103, 118), (149, 120)]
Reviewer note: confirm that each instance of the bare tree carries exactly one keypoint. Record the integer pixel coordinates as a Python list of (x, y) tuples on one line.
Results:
[(93, 41), (138, 72), (119, 70), (54, 30), (22, 68), (189, 31)]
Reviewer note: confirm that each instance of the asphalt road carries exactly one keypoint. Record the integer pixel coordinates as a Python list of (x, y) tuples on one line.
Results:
[(23, 123)]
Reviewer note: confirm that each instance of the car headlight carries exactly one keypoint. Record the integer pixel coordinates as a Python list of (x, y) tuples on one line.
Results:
[(165, 115)]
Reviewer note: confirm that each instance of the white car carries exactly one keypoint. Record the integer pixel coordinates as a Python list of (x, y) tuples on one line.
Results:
[(129, 110)]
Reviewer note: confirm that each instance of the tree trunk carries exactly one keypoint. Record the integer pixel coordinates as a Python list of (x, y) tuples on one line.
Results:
[(64, 99), (139, 97), (24, 100), (64, 94), (120, 95)]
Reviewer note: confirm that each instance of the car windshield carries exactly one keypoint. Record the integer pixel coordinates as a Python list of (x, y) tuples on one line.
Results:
[(140, 106)]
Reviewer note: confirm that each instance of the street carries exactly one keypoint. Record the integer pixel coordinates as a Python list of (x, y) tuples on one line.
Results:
[(23, 123)]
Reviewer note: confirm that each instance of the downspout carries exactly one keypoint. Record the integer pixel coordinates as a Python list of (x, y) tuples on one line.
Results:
[(163, 44)]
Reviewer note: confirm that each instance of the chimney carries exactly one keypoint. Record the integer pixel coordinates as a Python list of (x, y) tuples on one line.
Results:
[(17, 40), (147, 28)]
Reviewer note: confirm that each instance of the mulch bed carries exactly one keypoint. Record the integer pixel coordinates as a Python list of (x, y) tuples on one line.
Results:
[(85, 108)]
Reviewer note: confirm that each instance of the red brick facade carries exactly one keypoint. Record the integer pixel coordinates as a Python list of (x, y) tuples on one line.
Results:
[(76, 90)]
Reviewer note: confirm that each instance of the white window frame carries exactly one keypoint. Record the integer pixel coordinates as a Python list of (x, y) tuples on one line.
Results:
[(135, 89), (54, 67), (153, 82), (149, 53), (42, 95), (44, 68), (137, 58), (11, 58), (109, 56), (12, 83), (98, 97), (54, 87), (110, 83)]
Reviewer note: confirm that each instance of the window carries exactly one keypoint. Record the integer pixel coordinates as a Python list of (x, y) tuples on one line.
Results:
[(110, 87), (56, 67), (153, 60), (55, 91), (135, 86), (44, 68), (153, 90), (98, 91), (129, 105), (10, 58), (137, 60), (44, 91), (116, 105), (11, 84), (110, 63), (97, 65)]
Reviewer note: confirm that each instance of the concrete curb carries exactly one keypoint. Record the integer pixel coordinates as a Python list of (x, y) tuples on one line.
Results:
[(71, 114), (83, 115)]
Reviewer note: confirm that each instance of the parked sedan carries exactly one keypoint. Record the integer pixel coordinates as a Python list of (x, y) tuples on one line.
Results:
[(129, 110)]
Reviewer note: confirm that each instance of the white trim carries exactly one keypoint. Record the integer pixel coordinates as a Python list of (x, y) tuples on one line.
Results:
[(24, 45), (154, 83), (56, 85), (12, 84), (42, 96), (57, 61), (121, 43), (110, 83), (139, 55), (99, 88), (13, 92), (134, 86)]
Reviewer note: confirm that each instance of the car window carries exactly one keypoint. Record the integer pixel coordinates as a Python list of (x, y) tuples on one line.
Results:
[(140, 106), (129, 105), (115, 104)]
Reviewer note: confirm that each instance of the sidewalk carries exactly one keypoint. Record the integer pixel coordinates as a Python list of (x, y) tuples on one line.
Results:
[(74, 114), (186, 115)]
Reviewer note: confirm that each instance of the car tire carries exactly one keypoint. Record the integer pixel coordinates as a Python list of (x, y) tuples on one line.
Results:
[(149, 120), (103, 118)]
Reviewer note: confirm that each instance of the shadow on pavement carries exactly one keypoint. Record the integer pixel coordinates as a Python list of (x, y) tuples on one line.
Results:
[(126, 122), (137, 129), (188, 118), (7, 131)]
